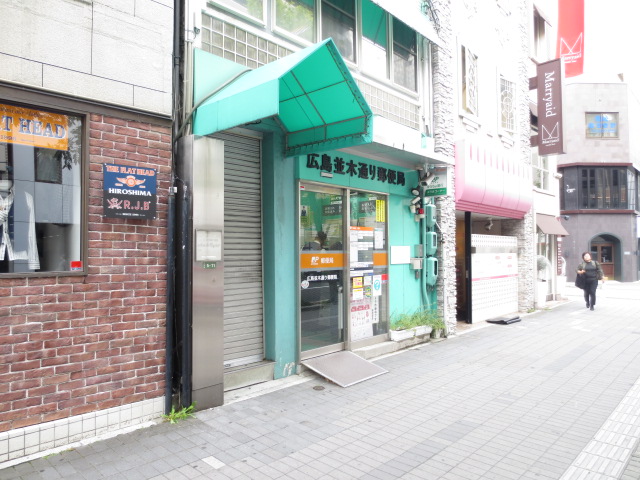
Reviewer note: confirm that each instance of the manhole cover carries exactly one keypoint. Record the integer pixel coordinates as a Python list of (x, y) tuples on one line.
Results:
[(318, 387)]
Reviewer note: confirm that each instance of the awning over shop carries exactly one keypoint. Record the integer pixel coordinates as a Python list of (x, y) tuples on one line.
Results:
[(410, 13), (550, 225), (310, 94), (491, 180)]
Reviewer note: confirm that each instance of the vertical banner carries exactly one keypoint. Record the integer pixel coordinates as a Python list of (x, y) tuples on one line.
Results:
[(570, 45), (550, 130)]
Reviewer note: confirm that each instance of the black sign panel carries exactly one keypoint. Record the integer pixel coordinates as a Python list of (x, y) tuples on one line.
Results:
[(129, 192), (550, 128)]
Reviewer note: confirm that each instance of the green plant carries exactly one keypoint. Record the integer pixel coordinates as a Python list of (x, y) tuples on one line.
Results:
[(176, 415), (419, 317)]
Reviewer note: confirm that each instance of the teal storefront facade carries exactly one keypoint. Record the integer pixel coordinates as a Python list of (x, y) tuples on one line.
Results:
[(301, 246)]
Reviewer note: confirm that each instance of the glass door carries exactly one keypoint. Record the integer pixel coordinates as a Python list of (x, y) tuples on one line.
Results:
[(368, 266), (322, 328)]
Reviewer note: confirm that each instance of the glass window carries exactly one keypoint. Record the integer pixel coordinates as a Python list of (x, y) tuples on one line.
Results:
[(40, 191), (296, 17), (469, 81), (339, 23), (405, 67), (540, 40), (249, 8), (540, 170), (604, 188), (569, 190), (602, 125), (374, 39), (507, 104)]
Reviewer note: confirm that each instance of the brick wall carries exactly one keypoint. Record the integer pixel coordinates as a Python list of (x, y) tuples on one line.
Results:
[(72, 345)]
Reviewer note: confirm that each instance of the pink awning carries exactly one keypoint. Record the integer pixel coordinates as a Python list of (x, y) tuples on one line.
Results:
[(491, 180)]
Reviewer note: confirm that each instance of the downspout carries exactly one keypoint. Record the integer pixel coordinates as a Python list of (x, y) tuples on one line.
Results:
[(170, 298), (426, 302), (170, 323)]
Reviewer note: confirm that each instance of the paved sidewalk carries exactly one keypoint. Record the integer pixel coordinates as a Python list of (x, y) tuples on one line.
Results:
[(554, 396)]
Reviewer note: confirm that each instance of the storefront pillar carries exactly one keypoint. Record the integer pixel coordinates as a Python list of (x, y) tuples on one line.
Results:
[(279, 213)]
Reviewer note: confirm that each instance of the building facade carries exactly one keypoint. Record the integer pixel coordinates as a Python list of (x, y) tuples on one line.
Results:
[(495, 233), (599, 196), (330, 122), (83, 87), (334, 164)]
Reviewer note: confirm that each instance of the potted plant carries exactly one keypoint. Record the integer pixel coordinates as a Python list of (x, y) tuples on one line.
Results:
[(409, 325), (437, 324)]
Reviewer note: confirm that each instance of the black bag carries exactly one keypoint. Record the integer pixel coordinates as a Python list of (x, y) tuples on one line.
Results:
[(580, 281)]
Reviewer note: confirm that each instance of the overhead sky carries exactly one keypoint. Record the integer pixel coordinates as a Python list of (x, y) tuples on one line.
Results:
[(611, 32)]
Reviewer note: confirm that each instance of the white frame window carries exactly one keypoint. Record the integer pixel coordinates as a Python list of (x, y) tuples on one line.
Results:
[(295, 18), (469, 81), (507, 104), (541, 172), (602, 125), (250, 9)]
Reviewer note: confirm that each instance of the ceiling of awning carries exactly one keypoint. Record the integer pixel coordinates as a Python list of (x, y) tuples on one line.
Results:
[(310, 93), (550, 225)]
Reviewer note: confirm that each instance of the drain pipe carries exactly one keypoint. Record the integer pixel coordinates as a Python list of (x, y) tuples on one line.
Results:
[(426, 301), (170, 319), (186, 362), (170, 296)]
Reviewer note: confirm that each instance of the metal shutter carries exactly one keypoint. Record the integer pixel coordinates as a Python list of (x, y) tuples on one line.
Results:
[(243, 305)]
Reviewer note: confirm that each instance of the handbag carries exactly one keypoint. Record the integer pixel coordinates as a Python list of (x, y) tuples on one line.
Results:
[(580, 281)]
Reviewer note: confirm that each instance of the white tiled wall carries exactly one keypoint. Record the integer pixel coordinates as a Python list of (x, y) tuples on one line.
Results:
[(32, 440)]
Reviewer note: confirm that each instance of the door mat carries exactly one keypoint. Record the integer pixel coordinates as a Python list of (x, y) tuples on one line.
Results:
[(504, 320)]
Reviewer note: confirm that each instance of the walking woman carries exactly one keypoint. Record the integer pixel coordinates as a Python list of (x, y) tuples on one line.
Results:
[(592, 272)]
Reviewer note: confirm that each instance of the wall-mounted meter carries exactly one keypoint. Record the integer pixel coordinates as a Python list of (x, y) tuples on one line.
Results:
[(430, 215), (432, 243), (431, 264)]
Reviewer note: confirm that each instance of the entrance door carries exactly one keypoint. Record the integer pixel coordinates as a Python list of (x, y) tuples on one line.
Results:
[(321, 240), (603, 253), (343, 269), (368, 266)]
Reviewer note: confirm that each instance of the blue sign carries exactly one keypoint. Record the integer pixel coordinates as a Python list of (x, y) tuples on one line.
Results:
[(129, 192)]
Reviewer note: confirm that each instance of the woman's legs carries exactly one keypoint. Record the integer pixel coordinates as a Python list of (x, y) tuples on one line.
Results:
[(590, 293)]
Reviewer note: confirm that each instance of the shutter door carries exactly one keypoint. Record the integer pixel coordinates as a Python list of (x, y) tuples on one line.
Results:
[(243, 306)]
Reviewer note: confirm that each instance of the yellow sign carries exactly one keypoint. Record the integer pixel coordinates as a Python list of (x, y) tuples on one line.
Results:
[(33, 127), (381, 211)]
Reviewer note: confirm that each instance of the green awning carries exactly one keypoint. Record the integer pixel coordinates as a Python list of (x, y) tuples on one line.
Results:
[(309, 93)]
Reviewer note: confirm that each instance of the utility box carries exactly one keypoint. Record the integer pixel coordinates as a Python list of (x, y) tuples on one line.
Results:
[(430, 215), (431, 243), (432, 270)]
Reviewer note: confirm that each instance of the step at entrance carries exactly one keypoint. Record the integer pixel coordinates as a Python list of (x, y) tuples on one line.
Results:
[(344, 368)]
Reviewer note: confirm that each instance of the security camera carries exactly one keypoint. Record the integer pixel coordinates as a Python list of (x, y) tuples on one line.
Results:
[(488, 225), (566, 217), (424, 180)]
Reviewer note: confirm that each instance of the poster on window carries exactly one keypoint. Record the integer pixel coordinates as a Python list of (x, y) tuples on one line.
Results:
[(129, 192)]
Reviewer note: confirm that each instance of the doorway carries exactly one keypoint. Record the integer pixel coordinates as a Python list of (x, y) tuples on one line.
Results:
[(604, 253), (343, 269)]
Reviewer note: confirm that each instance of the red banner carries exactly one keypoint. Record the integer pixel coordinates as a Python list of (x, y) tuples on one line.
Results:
[(571, 36)]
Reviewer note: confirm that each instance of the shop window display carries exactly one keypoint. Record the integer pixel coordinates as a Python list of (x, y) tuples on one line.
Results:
[(40, 191)]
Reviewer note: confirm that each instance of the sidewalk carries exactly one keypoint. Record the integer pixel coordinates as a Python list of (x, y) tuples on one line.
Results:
[(556, 395)]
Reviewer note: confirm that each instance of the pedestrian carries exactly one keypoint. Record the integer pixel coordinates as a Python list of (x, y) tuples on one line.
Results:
[(592, 272)]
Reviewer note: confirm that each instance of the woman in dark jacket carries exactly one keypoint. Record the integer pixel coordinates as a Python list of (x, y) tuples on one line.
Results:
[(592, 272)]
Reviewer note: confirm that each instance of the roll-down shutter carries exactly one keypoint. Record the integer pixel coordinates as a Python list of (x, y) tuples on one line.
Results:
[(243, 306)]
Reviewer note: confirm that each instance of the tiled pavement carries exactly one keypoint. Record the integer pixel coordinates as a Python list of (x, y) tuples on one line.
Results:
[(554, 396)]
